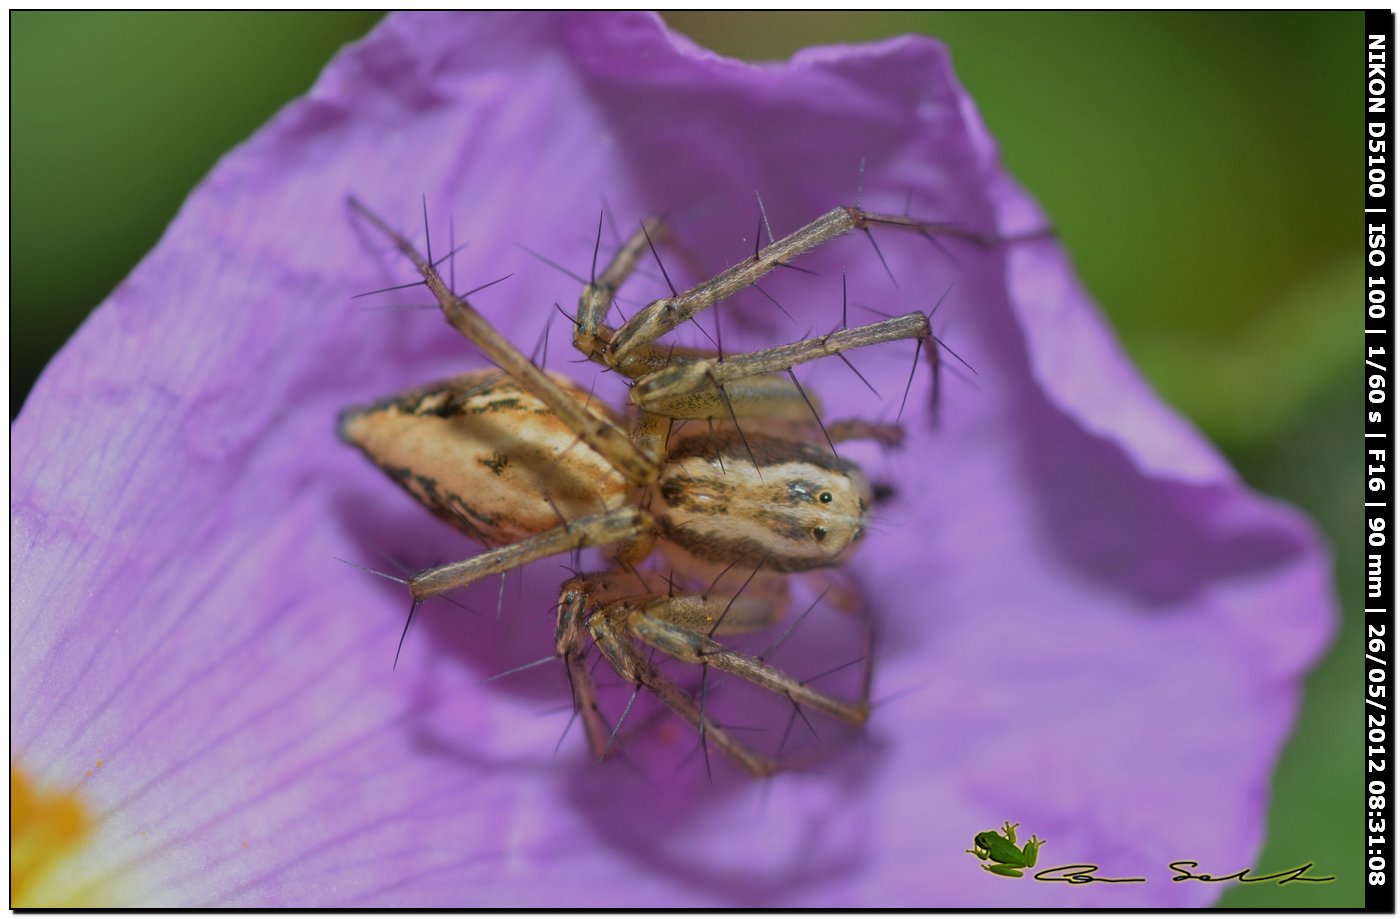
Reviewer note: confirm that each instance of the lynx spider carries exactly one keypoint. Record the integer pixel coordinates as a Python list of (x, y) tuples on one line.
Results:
[(722, 508)]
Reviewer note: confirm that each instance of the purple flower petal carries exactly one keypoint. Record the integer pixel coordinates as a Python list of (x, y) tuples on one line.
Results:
[(1088, 624)]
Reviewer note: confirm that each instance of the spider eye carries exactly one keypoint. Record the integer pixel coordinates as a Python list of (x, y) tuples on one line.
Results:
[(824, 497), (819, 533)]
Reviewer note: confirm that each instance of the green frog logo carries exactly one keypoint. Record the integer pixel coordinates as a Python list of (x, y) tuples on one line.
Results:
[(999, 849)]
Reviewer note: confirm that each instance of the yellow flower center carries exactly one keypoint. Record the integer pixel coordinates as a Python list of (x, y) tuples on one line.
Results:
[(46, 829)]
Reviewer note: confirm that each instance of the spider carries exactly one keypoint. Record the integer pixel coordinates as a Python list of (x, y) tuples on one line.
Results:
[(496, 454)]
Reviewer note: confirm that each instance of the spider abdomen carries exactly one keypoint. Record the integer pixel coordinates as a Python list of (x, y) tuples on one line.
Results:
[(486, 456)]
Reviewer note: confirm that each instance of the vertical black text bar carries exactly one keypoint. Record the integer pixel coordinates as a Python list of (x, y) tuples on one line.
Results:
[(1380, 457)]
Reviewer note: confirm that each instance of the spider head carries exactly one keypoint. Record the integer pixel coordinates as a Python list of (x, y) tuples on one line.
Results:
[(827, 511)]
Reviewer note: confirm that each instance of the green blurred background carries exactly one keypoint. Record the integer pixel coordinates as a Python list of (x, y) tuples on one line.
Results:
[(1203, 170)]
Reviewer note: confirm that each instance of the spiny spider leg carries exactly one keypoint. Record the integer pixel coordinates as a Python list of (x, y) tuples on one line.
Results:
[(695, 385), (591, 331), (569, 633), (620, 525), (635, 668), (596, 596), (655, 623), (887, 435), (676, 625), (661, 316), (592, 334), (609, 441)]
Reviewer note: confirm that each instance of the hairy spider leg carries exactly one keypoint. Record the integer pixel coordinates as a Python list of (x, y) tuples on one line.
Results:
[(587, 601), (698, 388), (601, 435), (591, 331), (681, 626), (661, 316), (593, 335), (670, 625), (615, 526), (632, 666)]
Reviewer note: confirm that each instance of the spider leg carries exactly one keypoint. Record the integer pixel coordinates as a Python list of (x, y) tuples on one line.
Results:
[(661, 316), (610, 636), (778, 401), (593, 335), (569, 632), (681, 625), (757, 609), (696, 388), (887, 435), (666, 624), (604, 437), (773, 397), (591, 331), (615, 526)]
